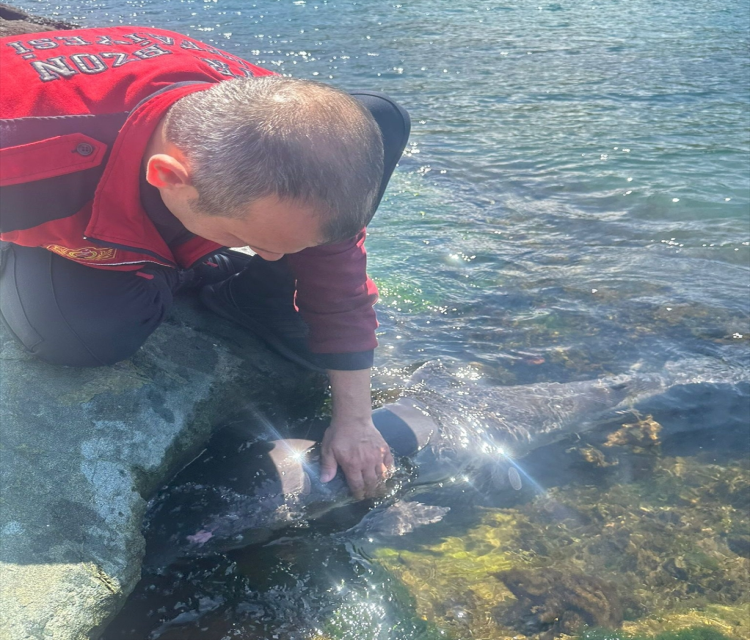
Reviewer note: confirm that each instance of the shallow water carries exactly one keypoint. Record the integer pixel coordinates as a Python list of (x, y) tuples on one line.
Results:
[(658, 512), (575, 201)]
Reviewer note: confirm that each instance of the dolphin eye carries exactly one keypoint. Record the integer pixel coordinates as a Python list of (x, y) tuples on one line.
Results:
[(514, 478)]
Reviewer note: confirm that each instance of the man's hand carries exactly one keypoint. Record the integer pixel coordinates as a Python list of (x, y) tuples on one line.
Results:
[(352, 441), (363, 455)]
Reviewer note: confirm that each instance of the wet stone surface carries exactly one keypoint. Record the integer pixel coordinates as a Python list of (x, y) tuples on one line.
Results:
[(81, 450), (15, 21)]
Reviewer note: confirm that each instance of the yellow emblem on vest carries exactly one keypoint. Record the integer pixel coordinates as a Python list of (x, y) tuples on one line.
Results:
[(92, 254)]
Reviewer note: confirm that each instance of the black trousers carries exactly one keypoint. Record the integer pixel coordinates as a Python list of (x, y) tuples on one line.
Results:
[(68, 313)]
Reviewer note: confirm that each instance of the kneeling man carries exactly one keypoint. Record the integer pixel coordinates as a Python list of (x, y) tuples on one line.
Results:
[(130, 158)]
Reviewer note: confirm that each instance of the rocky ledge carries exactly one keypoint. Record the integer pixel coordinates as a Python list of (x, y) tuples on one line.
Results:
[(82, 450), (15, 21)]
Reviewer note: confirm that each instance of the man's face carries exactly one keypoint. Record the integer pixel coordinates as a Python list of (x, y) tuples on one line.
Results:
[(271, 227)]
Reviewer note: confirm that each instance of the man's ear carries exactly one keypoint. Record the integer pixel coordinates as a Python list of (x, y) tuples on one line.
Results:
[(167, 172)]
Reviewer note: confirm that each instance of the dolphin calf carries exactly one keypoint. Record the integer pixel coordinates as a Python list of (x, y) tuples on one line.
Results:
[(441, 427)]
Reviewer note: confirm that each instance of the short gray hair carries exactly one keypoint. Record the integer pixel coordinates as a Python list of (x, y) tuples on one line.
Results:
[(245, 139)]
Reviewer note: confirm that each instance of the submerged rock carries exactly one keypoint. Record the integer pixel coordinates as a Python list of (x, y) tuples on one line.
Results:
[(81, 450), (551, 602), (673, 539)]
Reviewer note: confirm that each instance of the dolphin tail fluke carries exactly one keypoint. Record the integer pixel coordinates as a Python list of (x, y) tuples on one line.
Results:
[(707, 370), (686, 371)]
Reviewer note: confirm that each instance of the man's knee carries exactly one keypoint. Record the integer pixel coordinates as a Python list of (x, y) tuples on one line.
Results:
[(98, 351), (70, 314)]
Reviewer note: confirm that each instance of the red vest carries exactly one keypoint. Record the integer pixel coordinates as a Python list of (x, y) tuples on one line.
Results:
[(76, 117), (77, 109)]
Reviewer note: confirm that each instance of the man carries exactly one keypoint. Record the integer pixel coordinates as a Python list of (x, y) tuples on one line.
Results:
[(130, 157)]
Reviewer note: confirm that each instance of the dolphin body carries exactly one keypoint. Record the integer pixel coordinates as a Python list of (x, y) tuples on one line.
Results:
[(226, 501)]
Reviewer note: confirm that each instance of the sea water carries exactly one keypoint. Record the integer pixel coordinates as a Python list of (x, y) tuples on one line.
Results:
[(574, 201)]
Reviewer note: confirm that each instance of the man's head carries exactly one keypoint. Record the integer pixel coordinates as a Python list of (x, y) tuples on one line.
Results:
[(269, 161)]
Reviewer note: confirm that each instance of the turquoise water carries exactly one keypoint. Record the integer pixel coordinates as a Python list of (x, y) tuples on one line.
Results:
[(575, 200)]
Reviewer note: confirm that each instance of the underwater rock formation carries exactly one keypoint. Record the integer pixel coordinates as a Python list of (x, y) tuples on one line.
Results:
[(671, 533), (551, 602)]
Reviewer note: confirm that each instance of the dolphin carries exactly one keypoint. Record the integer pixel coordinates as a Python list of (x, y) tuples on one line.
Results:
[(445, 427)]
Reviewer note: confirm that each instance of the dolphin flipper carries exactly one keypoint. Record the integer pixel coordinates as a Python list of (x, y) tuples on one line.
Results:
[(398, 519)]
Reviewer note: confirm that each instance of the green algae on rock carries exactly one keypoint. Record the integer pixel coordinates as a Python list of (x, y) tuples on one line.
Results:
[(671, 541), (552, 603), (692, 633)]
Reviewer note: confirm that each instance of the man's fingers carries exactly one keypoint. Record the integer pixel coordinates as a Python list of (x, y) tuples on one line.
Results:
[(356, 483), (328, 466), (372, 481), (381, 471), (385, 469), (388, 459), (365, 469)]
